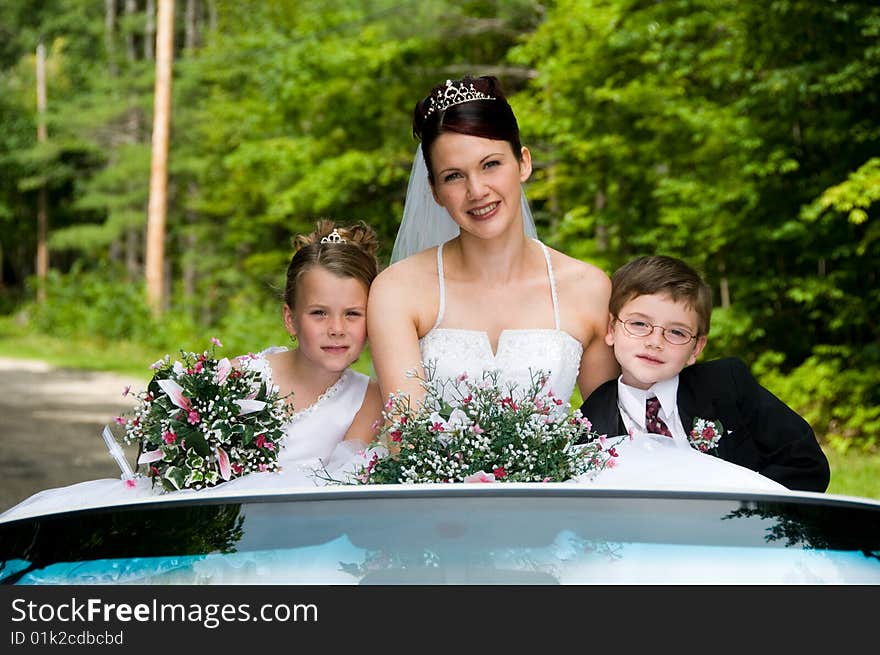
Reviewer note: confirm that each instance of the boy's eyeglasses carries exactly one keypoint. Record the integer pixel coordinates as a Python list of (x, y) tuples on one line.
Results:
[(639, 328)]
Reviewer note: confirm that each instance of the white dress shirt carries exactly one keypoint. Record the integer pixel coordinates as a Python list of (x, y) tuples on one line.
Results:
[(631, 401)]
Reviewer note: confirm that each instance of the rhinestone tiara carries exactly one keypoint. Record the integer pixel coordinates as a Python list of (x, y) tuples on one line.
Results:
[(333, 237), (454, 93)]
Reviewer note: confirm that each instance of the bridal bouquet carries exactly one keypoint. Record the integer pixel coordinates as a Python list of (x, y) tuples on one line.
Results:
[(202, 421), (484, 431)]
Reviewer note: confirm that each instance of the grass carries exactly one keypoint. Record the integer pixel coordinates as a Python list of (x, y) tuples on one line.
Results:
[(852, 474)]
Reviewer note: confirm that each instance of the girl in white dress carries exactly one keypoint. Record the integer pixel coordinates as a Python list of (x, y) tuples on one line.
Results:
[(337, 409), (491, 296)]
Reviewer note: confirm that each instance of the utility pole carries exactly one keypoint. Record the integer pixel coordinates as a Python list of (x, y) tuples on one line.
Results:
[(42, 263), (157, 208)]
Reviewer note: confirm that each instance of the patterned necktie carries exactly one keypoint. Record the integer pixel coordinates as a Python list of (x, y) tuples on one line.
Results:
[(653, 423)]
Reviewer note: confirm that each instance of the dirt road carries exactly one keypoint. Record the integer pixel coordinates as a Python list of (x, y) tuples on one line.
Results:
[(50, 426)]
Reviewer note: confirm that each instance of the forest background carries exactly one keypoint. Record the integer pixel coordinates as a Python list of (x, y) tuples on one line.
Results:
[(740, 135)]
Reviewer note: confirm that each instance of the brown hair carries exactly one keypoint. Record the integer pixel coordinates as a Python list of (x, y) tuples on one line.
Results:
[(489, 119), (354, 257), (645, 276)]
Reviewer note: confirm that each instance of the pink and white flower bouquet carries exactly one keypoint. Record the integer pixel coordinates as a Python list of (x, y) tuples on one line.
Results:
[(484, 431), (202, 421)]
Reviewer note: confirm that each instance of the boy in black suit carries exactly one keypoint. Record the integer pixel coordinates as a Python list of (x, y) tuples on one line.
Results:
[(658, 326)]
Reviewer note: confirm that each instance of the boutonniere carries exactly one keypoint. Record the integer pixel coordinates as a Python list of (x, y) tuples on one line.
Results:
[(705, 435)]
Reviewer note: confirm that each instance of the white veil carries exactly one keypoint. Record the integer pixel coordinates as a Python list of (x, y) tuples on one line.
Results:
[(425, 223)]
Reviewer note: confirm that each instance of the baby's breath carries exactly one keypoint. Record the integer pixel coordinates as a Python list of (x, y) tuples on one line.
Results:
[(482, 429)]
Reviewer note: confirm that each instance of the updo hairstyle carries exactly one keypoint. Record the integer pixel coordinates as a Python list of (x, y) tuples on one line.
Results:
[(489, 119), (355, 257)]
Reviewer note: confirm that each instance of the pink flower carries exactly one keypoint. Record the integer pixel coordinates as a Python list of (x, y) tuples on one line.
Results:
[(461, 378), (175, 393), (480, 476), (150, 456), (193, 417), (130, 483), (396, 435), (260, 440), (119, 420), (476, 429), (437, 427), (126, 391), (223, 463), (216, 342), (224, 368), (499, 472), (508, 402), (169, 437)]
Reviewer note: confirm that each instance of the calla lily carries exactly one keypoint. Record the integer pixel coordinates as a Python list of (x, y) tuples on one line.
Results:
[(150, 456), (223, 462), (250, 406), (224, 368), (175, 393)]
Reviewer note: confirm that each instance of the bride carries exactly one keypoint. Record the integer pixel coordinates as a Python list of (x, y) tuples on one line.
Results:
[(471, 289)]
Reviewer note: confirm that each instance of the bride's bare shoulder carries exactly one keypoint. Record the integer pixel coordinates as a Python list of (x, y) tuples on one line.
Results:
[(407, 271), (577, 273)]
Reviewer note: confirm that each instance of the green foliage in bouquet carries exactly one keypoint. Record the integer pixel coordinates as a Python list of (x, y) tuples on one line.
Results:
[(202, 421), (485, 431)]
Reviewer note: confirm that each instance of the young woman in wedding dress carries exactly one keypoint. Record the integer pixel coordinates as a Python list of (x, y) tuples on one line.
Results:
[(336, 408), (469, 288)]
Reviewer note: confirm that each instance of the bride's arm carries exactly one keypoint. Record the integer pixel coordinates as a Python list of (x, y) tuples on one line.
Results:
[(392, 329), (592, 291)]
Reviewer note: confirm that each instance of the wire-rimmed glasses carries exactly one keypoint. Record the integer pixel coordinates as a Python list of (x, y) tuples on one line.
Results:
[(638, 328)]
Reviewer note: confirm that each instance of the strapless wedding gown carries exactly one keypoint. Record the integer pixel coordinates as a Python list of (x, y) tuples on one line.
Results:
[(520, 354), (312, 442)]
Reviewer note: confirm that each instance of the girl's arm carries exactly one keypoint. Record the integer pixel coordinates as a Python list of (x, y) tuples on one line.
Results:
[(367, 421)]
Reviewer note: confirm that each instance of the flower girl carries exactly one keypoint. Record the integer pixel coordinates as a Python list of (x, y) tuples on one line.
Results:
[(335, 410)]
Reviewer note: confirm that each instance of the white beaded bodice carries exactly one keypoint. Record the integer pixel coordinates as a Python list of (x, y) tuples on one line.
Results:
[(313, 432), (520, 354)]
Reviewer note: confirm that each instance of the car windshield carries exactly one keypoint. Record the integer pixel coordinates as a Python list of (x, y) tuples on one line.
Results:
[(512, 537)]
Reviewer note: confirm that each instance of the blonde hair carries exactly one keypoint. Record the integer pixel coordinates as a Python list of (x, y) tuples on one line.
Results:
[(354, 256)]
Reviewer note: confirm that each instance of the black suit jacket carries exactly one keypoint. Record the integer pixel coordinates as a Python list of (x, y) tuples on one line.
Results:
[(765, 435)]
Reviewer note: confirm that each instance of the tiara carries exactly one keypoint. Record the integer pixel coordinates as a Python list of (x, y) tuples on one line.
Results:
[(455, 93), (333, 237)]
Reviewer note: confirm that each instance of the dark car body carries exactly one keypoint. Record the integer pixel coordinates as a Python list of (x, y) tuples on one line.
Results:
[(453, 534)]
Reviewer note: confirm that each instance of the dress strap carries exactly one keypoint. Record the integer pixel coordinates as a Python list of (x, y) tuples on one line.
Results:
[(442, 309), (552, 283)]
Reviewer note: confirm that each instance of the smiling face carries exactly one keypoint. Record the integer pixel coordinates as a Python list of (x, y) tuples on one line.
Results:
[(646, 360), (478, 181), (329, 319)]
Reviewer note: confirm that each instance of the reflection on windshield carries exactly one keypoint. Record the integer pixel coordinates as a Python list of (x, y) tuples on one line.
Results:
[(477, 539)]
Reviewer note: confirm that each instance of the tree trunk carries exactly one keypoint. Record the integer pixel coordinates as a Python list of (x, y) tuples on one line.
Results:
[(42, 260), (132, 136), (150, 31), (155, 255), (191, 30), (109, 30)]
